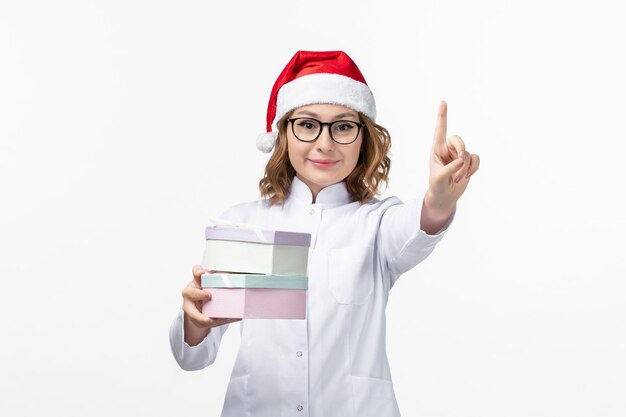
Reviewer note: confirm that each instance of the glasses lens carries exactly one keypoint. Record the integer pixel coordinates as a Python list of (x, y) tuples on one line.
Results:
[(306, 129), (345, 131)]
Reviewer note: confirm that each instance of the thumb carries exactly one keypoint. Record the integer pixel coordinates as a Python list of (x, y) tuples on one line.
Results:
[(197, 272), (452, 167)]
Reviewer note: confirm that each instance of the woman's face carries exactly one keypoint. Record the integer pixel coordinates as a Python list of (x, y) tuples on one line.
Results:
[(323, 162)]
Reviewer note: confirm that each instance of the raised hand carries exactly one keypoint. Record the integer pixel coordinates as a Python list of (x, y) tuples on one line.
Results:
[(451, 167)]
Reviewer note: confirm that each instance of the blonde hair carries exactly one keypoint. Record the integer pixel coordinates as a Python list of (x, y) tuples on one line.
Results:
[(363, 183)]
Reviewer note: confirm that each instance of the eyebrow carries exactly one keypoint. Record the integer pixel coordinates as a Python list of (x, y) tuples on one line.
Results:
[(313, 114)]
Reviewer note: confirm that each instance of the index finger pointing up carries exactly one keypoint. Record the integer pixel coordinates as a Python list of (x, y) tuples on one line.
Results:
[(442, 123)]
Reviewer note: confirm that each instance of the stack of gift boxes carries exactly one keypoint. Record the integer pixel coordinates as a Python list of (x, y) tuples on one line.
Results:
[(255, 274)]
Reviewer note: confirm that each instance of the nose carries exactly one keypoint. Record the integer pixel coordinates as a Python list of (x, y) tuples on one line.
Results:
[(325, 142)]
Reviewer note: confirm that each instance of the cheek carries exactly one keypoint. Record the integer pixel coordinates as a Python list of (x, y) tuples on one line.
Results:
[(352, 165), (292, 151), (353, 156)]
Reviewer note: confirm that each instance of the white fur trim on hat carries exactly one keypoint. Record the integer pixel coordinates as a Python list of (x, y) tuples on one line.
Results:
[(323, 88), (265, 141)]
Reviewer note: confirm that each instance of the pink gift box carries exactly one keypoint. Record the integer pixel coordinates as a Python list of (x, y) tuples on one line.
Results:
[(256, 303)]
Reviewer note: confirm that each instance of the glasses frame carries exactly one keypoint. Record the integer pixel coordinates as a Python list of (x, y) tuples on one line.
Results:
[(330, 129)]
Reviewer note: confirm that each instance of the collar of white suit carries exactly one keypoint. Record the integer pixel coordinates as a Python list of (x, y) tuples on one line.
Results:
[(331, 196)]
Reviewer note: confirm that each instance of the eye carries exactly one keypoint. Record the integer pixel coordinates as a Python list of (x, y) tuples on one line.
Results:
[(307, 124), (345, 126)]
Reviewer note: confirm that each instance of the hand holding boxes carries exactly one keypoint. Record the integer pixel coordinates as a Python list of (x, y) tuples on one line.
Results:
[(256, 273)]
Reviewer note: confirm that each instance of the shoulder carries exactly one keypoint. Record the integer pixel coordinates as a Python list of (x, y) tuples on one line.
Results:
[(376, 205), (241, 212), (376, 210)]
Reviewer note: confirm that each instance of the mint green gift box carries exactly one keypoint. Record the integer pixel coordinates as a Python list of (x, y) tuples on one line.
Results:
[(222, 280)]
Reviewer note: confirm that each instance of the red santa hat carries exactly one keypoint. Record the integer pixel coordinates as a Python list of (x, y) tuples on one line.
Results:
[(326, 77)]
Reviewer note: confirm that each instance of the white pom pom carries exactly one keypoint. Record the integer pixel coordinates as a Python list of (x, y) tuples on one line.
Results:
[(265, 141)]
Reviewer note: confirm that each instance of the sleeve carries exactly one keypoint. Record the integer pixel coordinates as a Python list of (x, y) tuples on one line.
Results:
[(401, 241), (193, 358)]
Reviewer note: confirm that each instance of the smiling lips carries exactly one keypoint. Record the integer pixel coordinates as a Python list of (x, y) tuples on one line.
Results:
[(323, 163)]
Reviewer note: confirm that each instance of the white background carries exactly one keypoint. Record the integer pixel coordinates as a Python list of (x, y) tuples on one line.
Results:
[(125, 125)]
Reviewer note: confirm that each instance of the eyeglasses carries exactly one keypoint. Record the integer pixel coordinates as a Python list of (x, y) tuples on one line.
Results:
[(343, 132)]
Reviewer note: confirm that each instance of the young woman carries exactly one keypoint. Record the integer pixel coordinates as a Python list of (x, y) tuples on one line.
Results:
[(328, 164)]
